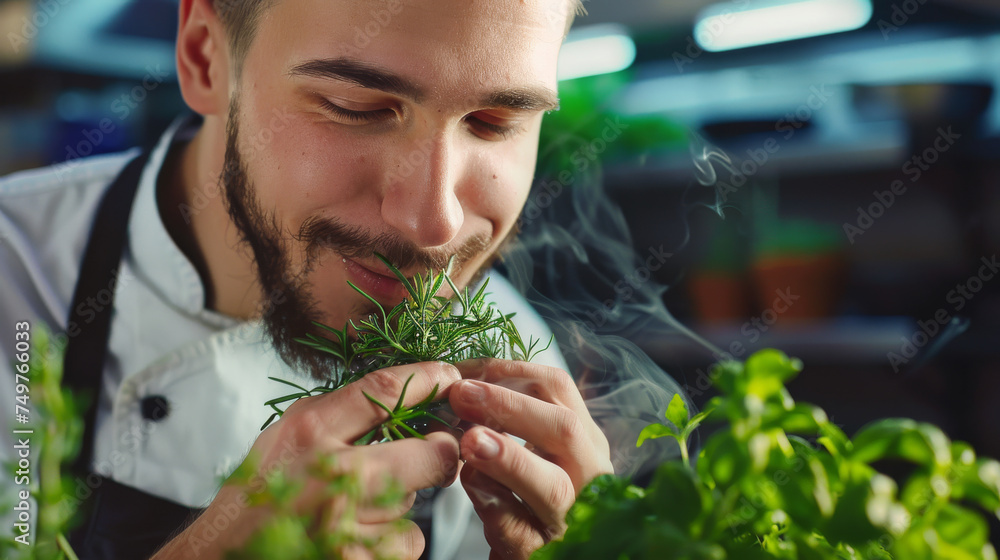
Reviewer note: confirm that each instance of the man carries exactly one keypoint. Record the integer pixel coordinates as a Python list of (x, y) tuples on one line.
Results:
[(332, 137)]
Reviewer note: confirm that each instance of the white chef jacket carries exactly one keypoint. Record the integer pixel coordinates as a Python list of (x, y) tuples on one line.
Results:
[(211, 369)]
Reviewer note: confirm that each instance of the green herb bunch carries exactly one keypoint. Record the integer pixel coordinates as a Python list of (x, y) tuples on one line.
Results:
[(424, 327), (779, 480)]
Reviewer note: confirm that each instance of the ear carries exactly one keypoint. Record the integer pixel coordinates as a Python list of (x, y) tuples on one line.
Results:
[(202, 58)]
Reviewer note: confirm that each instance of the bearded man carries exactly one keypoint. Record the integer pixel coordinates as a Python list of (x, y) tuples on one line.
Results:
[(324, 132)]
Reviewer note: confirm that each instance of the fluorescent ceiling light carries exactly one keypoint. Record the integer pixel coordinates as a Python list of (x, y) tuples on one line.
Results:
[(747, 23), (598, 49)]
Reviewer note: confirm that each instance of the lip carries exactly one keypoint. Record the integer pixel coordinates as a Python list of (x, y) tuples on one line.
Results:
[(384, 287)]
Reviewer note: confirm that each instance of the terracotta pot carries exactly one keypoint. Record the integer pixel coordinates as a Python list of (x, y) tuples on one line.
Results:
[(718, 298), (800, 288)]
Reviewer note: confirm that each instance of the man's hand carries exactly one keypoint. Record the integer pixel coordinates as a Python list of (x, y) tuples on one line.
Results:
[(328, 424), (522, 493)]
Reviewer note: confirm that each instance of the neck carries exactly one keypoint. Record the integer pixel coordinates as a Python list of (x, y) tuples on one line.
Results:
[(191, 199)]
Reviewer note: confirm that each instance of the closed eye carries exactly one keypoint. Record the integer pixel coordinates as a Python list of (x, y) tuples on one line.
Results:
[(359, 117), (492, 128), (485, 125)]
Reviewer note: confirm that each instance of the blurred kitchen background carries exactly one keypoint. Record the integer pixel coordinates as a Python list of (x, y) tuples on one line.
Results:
[(818, 176)]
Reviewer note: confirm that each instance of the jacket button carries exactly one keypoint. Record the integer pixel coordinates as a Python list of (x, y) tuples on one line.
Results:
[(155, 407)]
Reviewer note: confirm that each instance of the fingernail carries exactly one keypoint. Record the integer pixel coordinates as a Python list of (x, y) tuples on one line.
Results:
[(451, 369), (471, 363), (473, 392), (486, 447), (452, 474)]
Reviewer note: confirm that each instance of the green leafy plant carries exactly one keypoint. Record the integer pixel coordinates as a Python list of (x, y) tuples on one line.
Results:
[(424, 327), (680, 428), (286, 535), (54, 442), (779, 480)]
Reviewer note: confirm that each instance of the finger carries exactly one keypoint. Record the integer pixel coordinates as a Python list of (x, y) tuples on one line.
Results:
[(510, 528), (404, 465), (399, 539), (386, 510), (542, 382), (348, 414), (546, 489), (574, 443), (377, 482), (373, 511), (341, 502)]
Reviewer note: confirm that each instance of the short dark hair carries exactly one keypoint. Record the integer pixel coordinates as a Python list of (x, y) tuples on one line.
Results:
[(240, 19)]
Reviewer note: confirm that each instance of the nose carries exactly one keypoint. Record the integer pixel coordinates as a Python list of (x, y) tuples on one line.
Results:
[(421, 200)]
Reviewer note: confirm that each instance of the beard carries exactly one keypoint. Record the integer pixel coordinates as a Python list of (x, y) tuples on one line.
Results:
[(289, 309)]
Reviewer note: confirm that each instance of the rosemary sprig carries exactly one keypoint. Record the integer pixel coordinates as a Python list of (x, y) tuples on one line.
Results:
[(424, 327)]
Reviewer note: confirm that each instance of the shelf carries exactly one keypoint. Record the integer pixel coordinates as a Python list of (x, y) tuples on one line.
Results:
[(848, 341)]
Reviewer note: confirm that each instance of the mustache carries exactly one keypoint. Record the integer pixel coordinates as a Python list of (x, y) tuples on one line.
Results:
[(356, 242)]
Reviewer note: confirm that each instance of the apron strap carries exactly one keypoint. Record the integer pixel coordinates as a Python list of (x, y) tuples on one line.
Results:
[(119, 522), (87, 352)]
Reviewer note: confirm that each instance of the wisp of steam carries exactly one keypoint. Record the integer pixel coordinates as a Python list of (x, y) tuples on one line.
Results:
[(575, 245)]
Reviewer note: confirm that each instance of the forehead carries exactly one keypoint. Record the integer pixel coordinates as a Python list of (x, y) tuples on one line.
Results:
[(447, 45)]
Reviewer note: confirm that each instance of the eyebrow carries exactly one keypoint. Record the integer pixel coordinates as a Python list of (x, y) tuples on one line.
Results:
[(524, 99), (370, 76)]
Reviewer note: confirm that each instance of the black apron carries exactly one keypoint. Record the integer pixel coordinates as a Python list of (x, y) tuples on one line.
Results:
[(119, 522)]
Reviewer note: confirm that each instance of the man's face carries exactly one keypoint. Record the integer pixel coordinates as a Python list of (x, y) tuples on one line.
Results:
[(405, 128)]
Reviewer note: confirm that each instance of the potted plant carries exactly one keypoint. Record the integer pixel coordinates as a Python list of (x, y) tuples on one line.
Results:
[(799, 255), (717, 287)]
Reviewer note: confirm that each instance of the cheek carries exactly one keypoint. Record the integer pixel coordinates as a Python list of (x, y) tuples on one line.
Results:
[(324, 167), (503, 182), (301, 167)]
